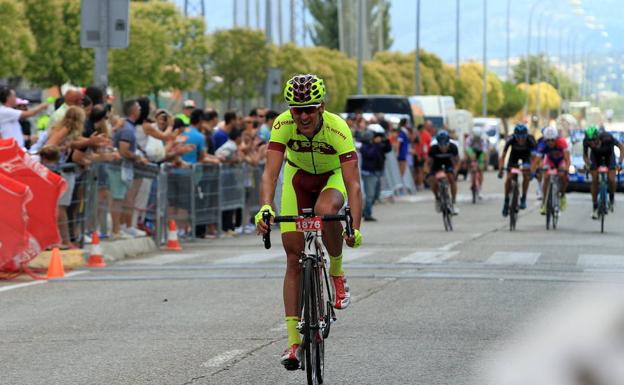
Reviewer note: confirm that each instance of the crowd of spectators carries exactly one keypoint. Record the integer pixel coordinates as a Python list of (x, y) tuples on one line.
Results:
[(81, 131)]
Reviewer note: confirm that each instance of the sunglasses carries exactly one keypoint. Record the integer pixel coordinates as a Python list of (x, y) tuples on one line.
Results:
[(307, 109)]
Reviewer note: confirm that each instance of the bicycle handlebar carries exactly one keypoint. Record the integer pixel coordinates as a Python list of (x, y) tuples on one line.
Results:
[(266, 217)]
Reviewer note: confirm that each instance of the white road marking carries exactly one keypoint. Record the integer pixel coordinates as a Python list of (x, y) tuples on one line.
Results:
[(251, 258), (222, 358), (428, 257), (161, 259), (450, 246), (513, 258), (26, 284), (600, 260), (280, 328)]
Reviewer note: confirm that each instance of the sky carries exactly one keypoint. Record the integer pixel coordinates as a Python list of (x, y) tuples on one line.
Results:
[(438, 24)]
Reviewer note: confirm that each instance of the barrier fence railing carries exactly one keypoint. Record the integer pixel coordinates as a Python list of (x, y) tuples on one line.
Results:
[(204, 199)]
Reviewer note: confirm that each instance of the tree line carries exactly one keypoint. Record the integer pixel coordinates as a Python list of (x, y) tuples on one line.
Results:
[(168, 51)]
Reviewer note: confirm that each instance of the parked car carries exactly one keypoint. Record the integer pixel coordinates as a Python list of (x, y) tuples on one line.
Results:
[(579, 179), (492, 127)]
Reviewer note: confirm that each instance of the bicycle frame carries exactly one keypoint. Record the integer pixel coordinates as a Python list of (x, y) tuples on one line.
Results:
[(445, 199), (515, 192), (603, 195), (316, 313), (552, 198), (475, 180)]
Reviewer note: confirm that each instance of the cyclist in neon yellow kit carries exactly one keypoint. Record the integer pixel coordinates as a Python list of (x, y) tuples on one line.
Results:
[(320, 172)]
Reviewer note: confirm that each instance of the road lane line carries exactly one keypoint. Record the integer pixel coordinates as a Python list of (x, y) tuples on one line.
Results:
[(251, 258), (162, 259), (600, 260), (222, 358), (428, 257), (352, 255), (26, 284), (450, 246), (513, 258)]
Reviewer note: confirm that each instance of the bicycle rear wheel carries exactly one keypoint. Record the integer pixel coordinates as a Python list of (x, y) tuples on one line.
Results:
[(513, 209), (549, 209)]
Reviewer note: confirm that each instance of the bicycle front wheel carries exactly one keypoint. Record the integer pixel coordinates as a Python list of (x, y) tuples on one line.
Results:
[(312, 334), (513, 209)]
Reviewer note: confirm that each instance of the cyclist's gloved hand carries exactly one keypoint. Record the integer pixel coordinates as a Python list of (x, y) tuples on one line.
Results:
[(500, 174), (260, 225), (355, 240)]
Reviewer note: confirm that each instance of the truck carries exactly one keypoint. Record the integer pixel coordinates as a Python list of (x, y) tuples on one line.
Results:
[(435, 108)]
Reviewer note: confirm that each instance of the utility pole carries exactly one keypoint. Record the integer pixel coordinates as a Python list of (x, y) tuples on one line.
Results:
[(292, 21), (507, 73), (257, 14), (247, 14), (235, 13), (380, 20), (267, 31), (341, 38), (360, 47), (279, 23), (304, 26), (417, 63), (485, 98), (457, 42)]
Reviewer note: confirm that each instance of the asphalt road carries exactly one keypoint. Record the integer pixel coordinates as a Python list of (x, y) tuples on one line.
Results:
[(429, 307)]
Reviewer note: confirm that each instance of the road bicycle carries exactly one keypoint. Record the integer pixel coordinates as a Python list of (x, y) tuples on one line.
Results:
[(552, 199), (446, 204), (475, 181), (514, 207), (603, 195), (317, 314)]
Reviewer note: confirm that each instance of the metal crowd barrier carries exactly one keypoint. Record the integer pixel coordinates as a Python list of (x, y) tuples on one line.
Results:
[(198, 196)]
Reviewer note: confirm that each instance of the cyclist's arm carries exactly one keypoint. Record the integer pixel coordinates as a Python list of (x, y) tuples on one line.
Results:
[(621, 147), (586, 153), (351, 177), (501, 160)]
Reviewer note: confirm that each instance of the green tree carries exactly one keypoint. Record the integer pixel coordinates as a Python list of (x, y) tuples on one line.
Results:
[(513, 102), (186, 39), (18, 42), (549, 74), (240, 57), (139, 69), (58, 58), (77, 62)]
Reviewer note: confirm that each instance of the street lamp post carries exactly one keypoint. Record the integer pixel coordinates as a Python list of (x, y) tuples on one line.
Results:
[(528, 53), (360, 47), (484, 99), (457, 41), (417, 62), (507, 73)]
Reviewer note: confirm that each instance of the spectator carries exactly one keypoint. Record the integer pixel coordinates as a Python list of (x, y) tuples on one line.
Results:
[(208, 127), (26, 125), (124, 139), (68, 130), (71, 98), (223, 134), (187, 108), (403, 141), (421, 152), (265, 129), (95, 94), (87, 104), (181, 180), (9, 117), (373, 153), (228, 153)]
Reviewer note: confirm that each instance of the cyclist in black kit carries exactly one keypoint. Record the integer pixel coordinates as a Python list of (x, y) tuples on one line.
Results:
[(443, 156), (602, 146), (522, 147)]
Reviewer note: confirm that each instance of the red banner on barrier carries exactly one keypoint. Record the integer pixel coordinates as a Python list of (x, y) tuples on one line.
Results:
[(40, 191)]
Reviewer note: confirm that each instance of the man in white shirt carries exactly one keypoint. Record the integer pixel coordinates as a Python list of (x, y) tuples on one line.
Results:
[(10, 117)]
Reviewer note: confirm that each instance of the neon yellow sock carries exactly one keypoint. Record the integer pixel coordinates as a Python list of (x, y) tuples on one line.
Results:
[(335, 266), (293, 334)]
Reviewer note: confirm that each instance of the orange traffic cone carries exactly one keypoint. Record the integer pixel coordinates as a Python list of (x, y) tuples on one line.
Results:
[(96, 258), (172, 237), (55, 268)]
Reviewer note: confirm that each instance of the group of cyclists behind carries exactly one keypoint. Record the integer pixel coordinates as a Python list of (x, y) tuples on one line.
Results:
[(316, 151)]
